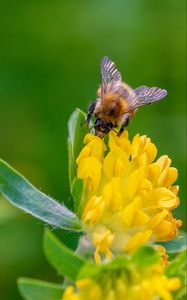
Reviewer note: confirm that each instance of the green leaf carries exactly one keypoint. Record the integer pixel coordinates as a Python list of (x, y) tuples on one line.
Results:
[(71, 165), (32, 289), (90, 270), (177, 268), (176, 245), (145, 256), (24, 195), (77, 130), (77, 193), (177, 265), (64, 260)]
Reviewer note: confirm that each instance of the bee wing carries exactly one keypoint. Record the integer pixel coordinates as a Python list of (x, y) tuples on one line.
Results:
[(110, 76), (144, 95)]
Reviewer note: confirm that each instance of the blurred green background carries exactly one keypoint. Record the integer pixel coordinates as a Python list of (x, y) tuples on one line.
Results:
[(49, 65)]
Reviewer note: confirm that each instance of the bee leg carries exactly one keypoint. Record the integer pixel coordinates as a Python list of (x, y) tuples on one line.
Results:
[(125, 123), (90, 112)]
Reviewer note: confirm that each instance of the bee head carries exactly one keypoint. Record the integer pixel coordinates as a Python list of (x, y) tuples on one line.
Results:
[(102, 127)]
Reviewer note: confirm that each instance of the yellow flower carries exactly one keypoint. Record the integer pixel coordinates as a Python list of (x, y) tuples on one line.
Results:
[(90, 171), (157, 287), (103, 241), (70, 295), (126, 279), (128, 195), (163, 254)]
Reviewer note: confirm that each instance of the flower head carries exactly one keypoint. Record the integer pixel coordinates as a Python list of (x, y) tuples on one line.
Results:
[(128, 195), (132, 278)]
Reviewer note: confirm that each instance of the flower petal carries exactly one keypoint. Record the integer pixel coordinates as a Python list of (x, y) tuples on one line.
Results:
[(164, 198), (121, 141), (138, 240), (116, 163), (89, 170)]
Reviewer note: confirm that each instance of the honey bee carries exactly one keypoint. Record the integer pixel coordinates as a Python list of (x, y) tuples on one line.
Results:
[(117, 102)]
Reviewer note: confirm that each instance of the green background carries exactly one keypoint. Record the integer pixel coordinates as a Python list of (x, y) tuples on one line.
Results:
[(49, 65)]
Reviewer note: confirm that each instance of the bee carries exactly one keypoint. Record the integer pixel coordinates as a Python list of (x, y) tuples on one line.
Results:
[(117, 102)]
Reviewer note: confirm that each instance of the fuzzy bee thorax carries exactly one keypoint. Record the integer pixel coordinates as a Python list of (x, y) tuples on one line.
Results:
[(112, 107)]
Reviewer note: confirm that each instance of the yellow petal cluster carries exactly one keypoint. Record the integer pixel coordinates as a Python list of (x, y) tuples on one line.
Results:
[(128, 194), (125, 284)]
